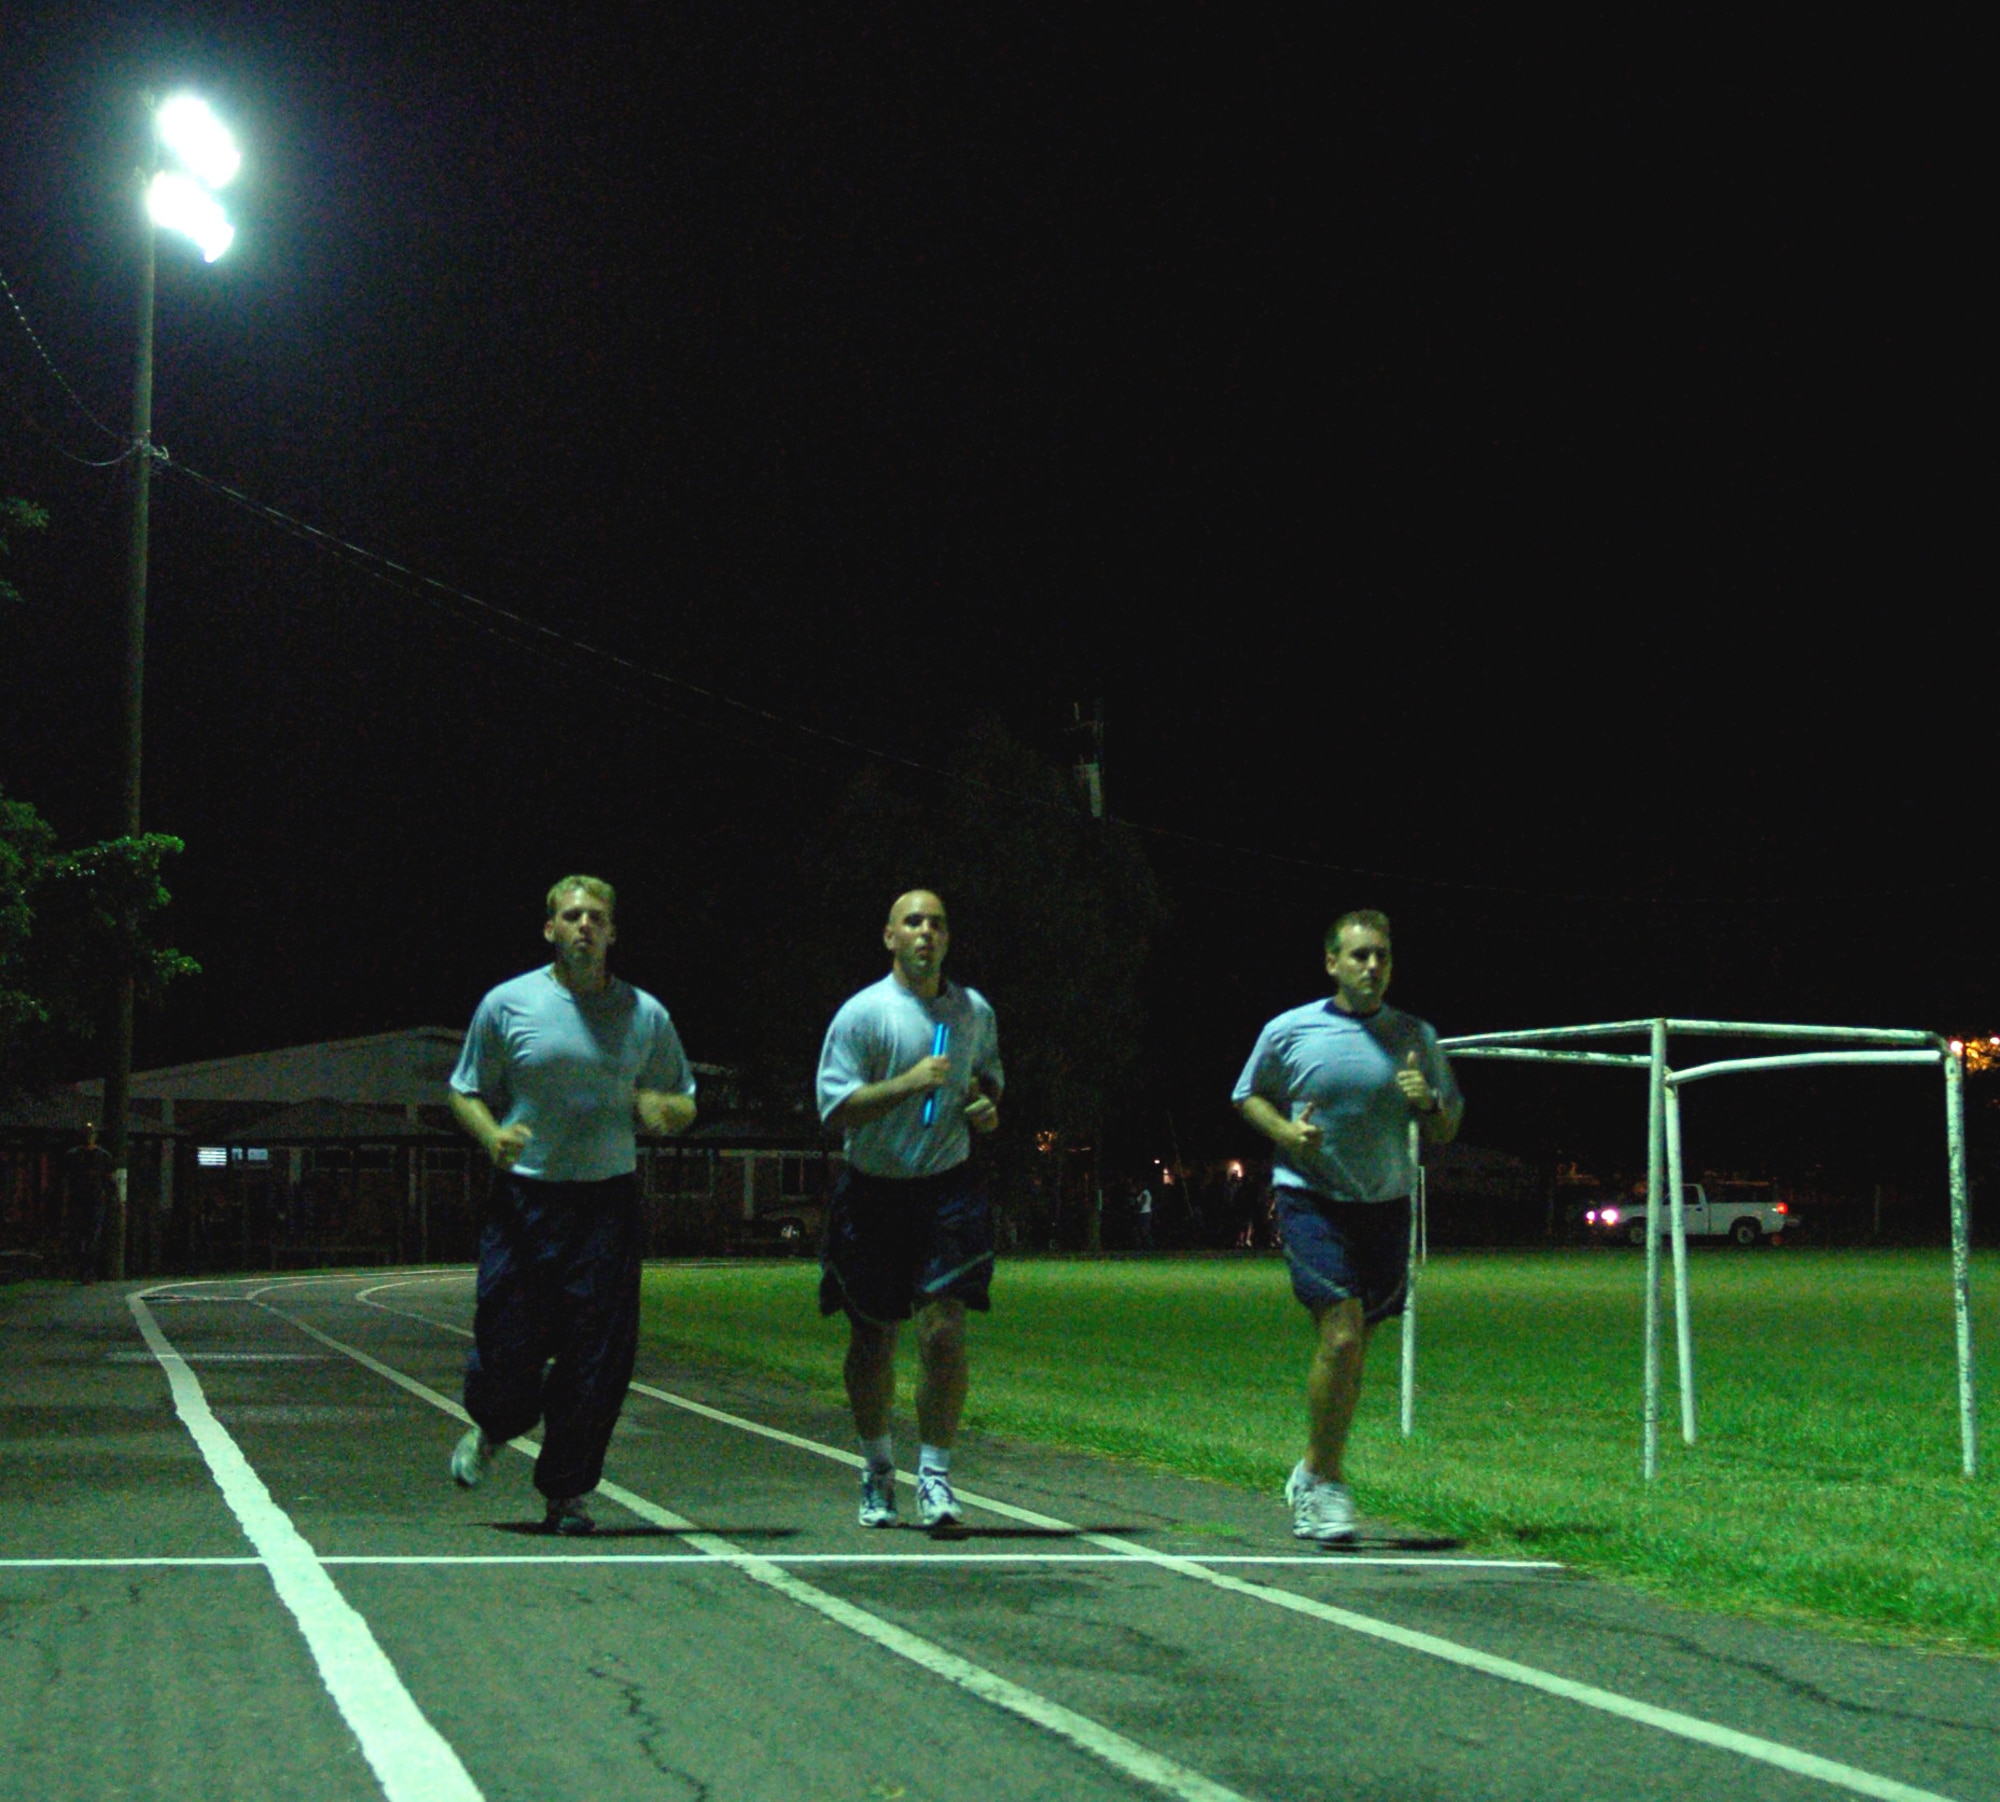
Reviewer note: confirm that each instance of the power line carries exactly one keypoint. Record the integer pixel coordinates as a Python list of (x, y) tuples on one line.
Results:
[(49, 437), (62, 381), (509, 626), (498, 621)]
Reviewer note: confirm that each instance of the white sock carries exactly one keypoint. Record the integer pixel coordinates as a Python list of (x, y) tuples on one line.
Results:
[(880, 1453), (935, 1459)]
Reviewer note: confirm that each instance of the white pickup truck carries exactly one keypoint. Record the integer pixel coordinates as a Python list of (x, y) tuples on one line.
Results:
[(1743, 1212)]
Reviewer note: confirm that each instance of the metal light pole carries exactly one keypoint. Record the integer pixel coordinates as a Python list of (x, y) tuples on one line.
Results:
[(182, 200)]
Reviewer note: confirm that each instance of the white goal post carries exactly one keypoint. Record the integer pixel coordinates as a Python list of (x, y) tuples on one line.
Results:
[(1856, 1045)]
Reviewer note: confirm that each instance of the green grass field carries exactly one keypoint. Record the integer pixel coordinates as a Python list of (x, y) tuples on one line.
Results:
[(1824, 1485)]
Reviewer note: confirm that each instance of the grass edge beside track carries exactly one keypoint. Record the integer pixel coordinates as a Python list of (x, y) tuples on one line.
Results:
[(1821, 1495)]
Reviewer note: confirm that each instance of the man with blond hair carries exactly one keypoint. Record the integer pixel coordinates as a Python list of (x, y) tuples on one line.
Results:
[(559, 1070), (910, 1069), (1334, 1086)]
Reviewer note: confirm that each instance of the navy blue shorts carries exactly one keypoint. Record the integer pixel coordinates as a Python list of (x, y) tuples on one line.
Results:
[(894, 1245), (1339, 1250)]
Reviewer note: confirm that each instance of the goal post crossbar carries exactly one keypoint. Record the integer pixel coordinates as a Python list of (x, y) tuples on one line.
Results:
[(1742, 1029), (1864, 1046)]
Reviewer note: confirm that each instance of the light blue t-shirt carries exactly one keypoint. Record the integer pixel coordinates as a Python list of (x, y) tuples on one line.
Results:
[(880, 1033), (566, 1066), (1346, 1068)]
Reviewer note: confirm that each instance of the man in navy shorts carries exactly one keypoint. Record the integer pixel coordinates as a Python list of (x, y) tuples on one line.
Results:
[(1334, 1085), (910, 1069)]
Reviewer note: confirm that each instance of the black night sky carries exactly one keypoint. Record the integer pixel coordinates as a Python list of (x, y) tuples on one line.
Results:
[(1528, 483)]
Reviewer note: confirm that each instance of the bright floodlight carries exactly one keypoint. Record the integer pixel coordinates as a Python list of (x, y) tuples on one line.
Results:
[(199, 139), (182, 204)]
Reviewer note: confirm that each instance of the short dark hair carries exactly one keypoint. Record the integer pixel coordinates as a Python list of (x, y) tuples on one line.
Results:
[(594, 886), (1373, 918)]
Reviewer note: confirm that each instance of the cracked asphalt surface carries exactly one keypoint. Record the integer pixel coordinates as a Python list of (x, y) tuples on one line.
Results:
[(636, 1665)]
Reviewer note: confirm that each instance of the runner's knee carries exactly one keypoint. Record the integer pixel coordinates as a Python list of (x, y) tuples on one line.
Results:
[(868, 1341), (941, 1330), (1341, 1326)]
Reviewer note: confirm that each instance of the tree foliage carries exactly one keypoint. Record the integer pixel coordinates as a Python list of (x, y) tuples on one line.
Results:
[(26, 842), (72, 924), (17, 516), (1053, 914)]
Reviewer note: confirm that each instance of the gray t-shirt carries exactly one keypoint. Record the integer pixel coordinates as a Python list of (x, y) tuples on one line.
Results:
[(1345, 1066), (566, 1066), (880, 1033)]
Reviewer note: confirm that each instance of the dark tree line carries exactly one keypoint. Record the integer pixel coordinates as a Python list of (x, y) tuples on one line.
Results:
[(1053, 914)]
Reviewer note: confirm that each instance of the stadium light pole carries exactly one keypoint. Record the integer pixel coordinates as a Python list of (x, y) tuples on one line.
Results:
[(189, 154)]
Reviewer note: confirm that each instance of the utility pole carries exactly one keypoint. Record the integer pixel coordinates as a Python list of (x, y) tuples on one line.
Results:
[(1090, 787), (182, 200), (118, 1079)]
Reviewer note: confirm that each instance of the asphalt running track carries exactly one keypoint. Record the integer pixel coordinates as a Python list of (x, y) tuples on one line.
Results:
[(232, 1566)]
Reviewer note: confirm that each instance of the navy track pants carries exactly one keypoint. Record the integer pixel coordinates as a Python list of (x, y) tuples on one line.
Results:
[(556, 1330)]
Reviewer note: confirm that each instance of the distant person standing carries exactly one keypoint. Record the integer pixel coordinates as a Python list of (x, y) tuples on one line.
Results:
[(1142, 1217), (910, 1069), (1334, 1086), (559, 1069), (86, 1179)]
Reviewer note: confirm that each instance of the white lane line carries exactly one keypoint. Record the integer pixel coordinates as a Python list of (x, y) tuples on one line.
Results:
[(219, 1357), (131, 1563), (366, 1297), (1666, 1720), (411, 1760), (1104, 1743), (420, 1279), (409, 1273), (913, 1559), (1324, 1560)]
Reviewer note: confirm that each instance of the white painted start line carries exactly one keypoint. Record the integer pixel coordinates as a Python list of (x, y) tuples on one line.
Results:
[(219, 1357), (761, 1568), (916, 1560)]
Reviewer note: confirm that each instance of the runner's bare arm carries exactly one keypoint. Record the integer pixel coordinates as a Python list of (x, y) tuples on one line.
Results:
[(1438, 1123), (874, 1099), (661, 1112), (1288, 1135), (982, 1112), (503, 1144)]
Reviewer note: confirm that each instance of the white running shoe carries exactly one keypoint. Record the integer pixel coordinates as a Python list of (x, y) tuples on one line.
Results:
[(472, 1457), (878, 1498), (1322, 1510), (936, 1505)]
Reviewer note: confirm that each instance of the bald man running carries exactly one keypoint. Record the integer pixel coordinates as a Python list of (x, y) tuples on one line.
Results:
[(910, 1069)]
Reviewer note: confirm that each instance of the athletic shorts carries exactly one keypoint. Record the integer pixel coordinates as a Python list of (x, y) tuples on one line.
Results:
[(1342, 1249), (893, 1245)]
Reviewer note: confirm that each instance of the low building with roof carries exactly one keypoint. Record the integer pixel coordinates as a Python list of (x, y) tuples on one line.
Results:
[(345, 1152)]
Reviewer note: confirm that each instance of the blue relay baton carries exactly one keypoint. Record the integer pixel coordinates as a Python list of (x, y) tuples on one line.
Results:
[(939, 1040)]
